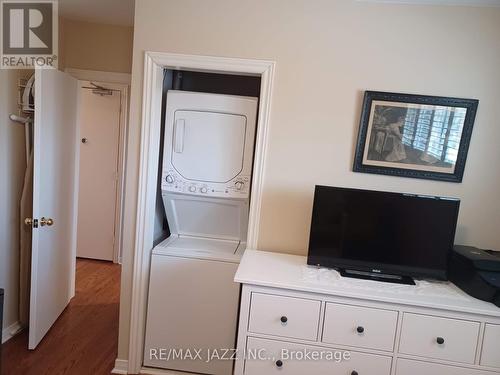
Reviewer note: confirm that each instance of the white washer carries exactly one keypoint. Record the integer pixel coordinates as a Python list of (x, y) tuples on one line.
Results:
[(193, 300), (207, 162)]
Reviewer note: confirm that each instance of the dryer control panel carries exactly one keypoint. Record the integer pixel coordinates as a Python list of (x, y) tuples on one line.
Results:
[(239, 187)]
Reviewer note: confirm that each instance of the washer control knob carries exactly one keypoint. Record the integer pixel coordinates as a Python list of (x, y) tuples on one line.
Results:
[(203, 190), (239, 185), (192, 188), (169, 178)]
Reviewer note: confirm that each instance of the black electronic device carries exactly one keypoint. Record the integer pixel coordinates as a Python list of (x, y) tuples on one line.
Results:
[(476, 272), (381, 235)]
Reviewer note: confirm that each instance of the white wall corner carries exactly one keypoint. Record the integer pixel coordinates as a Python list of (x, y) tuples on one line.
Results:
[(10, 331), (121, 366)]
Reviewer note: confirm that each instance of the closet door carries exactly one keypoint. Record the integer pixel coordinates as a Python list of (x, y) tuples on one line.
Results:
[(53, 220)]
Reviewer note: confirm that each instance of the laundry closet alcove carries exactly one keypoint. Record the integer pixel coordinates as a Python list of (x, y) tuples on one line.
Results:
[(154, 65)]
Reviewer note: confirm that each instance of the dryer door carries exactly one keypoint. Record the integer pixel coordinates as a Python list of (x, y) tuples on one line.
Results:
[(208, 146)]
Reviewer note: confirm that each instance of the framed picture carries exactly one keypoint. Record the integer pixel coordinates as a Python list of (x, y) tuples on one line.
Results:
[(414, 135)]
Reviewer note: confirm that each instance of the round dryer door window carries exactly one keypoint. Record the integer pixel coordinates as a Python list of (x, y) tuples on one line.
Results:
[(208, 146)]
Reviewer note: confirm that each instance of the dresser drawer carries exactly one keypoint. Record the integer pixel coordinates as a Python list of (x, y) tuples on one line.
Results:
[(360, 326), (442, 338), (490, 355), (284, 316), (297, 359), (410, 367)]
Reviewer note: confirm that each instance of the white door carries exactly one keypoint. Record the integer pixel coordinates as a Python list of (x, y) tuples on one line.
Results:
[(99, 117), (53, 200)]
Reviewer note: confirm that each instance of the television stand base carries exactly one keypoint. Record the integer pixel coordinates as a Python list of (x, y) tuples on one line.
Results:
[(377, 277)]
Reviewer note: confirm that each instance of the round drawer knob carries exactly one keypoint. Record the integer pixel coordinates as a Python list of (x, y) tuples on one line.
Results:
[(354, 372), (279, 363), (284, 319), (440, 340), (360, 329)]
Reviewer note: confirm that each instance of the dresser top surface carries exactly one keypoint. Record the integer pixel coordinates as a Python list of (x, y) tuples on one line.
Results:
[(292, 272)]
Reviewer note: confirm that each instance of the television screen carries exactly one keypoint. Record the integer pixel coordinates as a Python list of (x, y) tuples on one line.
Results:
[(380, 232)]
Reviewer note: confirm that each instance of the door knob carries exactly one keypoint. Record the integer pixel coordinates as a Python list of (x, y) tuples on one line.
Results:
[(46, 221), (84, 140), (28, 222)]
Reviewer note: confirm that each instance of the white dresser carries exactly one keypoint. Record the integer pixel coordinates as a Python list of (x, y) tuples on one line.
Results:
[(298, 320)]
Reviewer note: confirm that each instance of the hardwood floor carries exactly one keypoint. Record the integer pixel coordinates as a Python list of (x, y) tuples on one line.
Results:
[(84, 339)]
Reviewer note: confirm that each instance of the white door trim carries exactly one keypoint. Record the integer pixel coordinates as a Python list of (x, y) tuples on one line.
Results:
[(124, 93), (154, 64)]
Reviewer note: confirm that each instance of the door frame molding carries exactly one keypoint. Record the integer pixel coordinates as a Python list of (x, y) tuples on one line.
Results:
[(101, 76), (154, 65), (119, 82)]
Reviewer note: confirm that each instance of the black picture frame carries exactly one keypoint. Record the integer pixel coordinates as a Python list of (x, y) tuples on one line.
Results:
[(402, 135)]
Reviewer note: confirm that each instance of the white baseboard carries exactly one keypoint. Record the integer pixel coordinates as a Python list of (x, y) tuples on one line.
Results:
[(157, 371), (121, 367), (10, 331)]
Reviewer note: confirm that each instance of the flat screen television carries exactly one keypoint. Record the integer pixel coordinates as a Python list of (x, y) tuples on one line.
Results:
[(374, 234)]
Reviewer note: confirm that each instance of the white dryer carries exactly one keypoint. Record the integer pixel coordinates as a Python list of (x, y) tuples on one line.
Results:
[(207, 163), (209, 142)]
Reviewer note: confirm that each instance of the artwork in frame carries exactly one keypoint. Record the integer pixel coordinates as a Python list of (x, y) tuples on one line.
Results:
[(415, 136)]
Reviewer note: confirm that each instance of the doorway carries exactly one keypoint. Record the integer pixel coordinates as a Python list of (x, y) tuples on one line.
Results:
[(99, 205), (155, 64), (52, 223)]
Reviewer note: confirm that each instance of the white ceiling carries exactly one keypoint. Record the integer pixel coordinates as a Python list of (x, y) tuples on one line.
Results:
[(110, 12)]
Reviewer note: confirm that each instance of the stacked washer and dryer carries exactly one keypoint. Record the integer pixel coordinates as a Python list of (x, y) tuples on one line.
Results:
[(206, 176)]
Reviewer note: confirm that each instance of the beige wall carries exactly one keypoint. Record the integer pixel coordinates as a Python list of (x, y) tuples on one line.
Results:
[(12, 167), (327, 53), (93, 46)]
